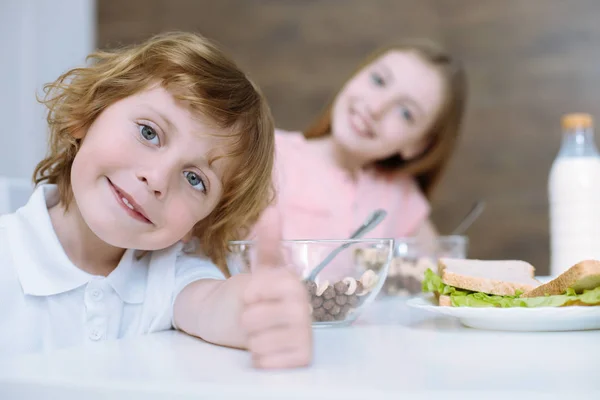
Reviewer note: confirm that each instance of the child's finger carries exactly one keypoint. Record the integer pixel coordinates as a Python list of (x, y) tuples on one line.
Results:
[(277, 340), (264, 316), (298, 358), (268, 243)]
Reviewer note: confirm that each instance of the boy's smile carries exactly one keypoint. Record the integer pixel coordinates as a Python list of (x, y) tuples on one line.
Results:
[(131, 207), (146, 171)]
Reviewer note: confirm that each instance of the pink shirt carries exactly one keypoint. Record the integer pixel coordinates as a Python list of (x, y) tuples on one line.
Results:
[(318, 201)]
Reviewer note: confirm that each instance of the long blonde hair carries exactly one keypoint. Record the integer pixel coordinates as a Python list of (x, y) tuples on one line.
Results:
[(443, 134), (195, 72)]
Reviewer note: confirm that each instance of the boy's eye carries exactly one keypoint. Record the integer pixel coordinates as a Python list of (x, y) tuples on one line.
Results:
[(195, 180), (377, 79), (149, 134)]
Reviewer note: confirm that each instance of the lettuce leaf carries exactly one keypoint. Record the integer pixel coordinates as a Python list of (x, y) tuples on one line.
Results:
[(463, 298)]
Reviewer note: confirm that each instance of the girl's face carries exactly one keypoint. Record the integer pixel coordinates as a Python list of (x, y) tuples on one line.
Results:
[(143, 176), (388, 107)]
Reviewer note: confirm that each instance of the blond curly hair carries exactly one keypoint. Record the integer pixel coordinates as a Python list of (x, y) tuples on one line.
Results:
[(195, 72)]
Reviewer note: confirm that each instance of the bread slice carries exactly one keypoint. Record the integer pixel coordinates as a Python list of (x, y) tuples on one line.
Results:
[(497, 277), (581, 276)]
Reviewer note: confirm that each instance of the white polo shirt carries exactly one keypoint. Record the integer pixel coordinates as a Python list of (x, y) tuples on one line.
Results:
[(46, 302)]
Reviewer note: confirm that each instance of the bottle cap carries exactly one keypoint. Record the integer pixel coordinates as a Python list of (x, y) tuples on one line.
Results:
[(577, 120)]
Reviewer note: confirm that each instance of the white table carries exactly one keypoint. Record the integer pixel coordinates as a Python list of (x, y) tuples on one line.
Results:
[(393, 351)]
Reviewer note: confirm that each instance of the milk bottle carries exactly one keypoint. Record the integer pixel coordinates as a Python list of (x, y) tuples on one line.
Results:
[(574, 196)]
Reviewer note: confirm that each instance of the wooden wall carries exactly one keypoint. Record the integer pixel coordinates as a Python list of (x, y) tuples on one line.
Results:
[(529, 61)]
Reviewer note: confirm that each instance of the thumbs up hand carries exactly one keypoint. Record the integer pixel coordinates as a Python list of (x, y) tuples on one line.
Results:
[(276, 316)]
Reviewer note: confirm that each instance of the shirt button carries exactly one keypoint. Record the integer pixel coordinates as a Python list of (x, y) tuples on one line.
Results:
[(95, 334), (97, 294)]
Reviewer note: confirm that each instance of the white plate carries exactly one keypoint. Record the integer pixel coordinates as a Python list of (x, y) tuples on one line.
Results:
[(518, 318)]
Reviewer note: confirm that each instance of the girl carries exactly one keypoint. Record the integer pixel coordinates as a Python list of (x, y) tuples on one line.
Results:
[(151, 146), (383, 142)]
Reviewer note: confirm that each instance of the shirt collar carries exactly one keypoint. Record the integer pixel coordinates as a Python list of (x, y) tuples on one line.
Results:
[(43, 267), (130, 276)]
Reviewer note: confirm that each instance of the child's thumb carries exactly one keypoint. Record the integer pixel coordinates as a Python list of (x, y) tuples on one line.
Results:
[(268, 244)]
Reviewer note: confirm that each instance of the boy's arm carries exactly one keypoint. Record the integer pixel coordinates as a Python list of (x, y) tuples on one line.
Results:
[(211, 309), (266, 311)]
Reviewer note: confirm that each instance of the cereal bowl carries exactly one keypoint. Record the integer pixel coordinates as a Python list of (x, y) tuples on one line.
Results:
[(342, 289), (411, 258)]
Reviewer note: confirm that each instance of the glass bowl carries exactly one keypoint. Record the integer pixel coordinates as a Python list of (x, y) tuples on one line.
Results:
[(343, 289), (411, 258)]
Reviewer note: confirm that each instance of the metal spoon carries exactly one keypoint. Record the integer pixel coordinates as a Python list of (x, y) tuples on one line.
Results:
[(468, 219), (374, 219)]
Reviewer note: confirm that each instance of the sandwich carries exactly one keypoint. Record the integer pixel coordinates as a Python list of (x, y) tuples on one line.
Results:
[(511, 283)]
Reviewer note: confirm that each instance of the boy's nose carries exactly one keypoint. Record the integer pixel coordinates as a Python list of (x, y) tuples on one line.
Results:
[(156, 179)]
